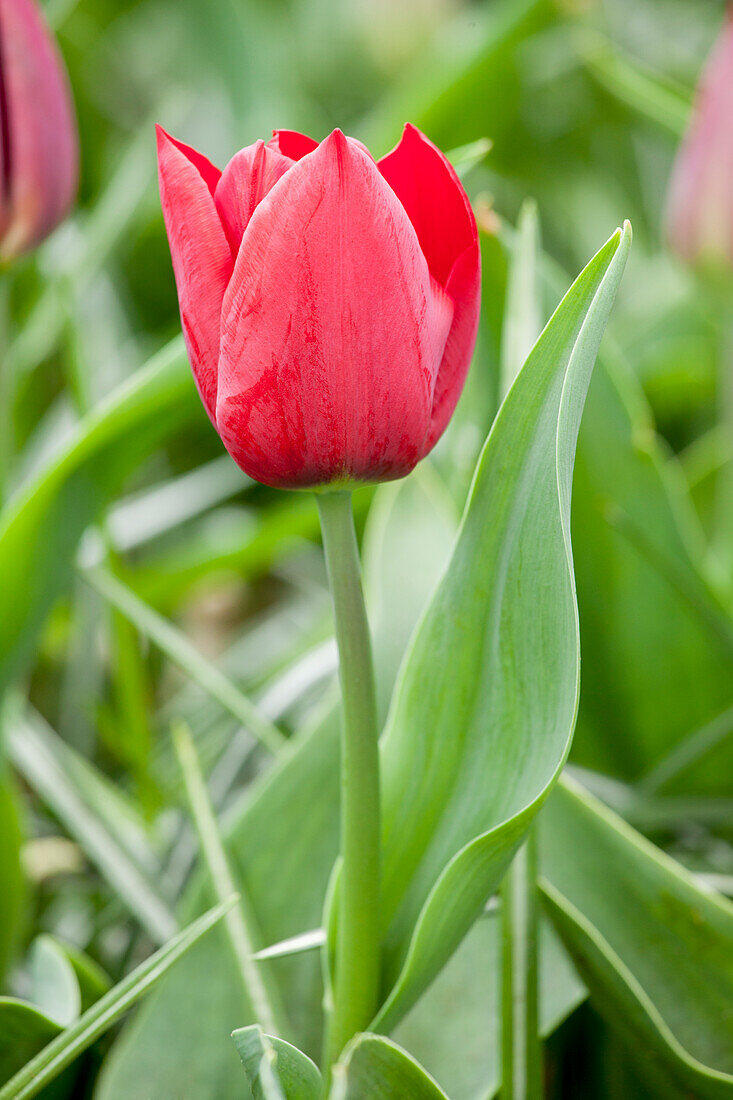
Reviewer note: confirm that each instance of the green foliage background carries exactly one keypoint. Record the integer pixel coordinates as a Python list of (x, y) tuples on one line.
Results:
[(109, 464)]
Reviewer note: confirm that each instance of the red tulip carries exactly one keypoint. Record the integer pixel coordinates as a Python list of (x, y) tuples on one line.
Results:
[(39, 153), (700, 205), (329, 302)]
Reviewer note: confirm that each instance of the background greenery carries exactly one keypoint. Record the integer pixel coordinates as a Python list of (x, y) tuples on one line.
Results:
[(122, 517)]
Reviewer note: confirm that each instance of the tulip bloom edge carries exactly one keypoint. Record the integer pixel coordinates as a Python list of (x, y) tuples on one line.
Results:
[(329, 302)]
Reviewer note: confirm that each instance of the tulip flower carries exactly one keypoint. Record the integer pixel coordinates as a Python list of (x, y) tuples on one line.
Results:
[(329, 302), (39, 153), (700, 205)]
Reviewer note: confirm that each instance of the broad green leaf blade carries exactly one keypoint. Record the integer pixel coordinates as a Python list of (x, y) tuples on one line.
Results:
[(654, 948), (454, 1028), (408, 538), (67, 1046), (296, 1076), (24, 1031), (485, 706), (373, 1066), (638, 544), (41, 525)]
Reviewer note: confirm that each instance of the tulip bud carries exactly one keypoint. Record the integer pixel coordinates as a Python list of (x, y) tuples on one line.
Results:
[(329, 302), (38, 140), (700, 204)]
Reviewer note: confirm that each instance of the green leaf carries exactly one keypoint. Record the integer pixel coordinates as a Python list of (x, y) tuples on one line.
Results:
[(282, 842), (408, 537), (654, 948), (71, 789), (639, 560), (454, 1029), (24, 1031), (11, 876), (41, 524), (265, 1057), (489, 687), (178, 649), (54, 985), (68, 1044), (373, 1066)]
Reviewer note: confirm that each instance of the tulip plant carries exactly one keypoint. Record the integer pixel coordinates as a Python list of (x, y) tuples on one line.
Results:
[(352, 859), (330, 307)]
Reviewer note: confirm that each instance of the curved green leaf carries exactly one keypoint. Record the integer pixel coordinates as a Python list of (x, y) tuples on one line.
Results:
[(65, 1046), (54, 985), (374, 1066), (24, 1031), (484, 710), (654, 948), (41, 525), (266, 1059)]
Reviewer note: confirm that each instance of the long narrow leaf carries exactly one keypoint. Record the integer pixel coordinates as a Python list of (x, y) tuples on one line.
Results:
[(177, 647)]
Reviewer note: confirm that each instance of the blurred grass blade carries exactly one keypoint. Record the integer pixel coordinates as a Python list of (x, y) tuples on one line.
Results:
[(654, 947), (259, 991), (294, 945), (687, 753), (523, 318), (631, 83), (108, 223), (465, 157), (176, 646), (31, 748), (67, 1046), (147, 515), (41, 524)]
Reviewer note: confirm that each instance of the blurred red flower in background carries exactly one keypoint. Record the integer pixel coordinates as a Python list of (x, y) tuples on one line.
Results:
[(700, 204), (39, 152), (329, 302)]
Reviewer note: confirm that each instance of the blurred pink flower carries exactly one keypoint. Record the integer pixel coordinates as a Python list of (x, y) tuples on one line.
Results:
[(39, 153), (699, 215)]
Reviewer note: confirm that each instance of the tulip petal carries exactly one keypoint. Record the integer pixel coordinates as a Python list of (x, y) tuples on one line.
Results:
[(40, 155), (291, 143), (699, 214), (429, 189), (464, 290), (332, 329), (202, 258), (244, 183), (426, 184)]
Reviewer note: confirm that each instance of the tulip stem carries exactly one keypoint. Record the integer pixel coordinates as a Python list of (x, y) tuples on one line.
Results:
[(357, 956), (521, 1049)]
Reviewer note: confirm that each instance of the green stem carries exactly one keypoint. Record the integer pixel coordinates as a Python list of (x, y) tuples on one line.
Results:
[(357, 963), (521, 1051)]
